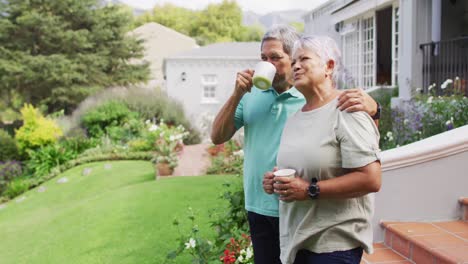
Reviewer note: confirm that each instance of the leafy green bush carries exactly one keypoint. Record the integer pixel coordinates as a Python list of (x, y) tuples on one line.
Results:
[(8, 171), (424, 117), (227, 158), (9, 148), (140, 144), (151, 104), (78, 144), (110, 114), (37, 131), (43, 160), (16, 187)]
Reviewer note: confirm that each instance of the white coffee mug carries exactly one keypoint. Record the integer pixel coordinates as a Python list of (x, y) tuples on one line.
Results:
[(289, 173), (264, 75)]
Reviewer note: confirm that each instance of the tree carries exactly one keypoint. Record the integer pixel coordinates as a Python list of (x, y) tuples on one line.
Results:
[(216, 23), (58, 52), (178, 18), (219, 23)]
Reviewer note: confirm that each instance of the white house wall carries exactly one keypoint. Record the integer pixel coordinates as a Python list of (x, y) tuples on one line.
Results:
[(190, 91), (415, 29), (423, 181)]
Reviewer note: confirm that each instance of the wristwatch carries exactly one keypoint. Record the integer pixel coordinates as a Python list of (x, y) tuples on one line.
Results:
[(314, 190), (377, 114)]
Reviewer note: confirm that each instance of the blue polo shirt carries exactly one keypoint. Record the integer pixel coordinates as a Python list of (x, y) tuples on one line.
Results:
[(263, 114)]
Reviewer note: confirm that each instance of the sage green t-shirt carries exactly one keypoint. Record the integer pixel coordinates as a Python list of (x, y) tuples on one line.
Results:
[(323, 143), (263, 114)]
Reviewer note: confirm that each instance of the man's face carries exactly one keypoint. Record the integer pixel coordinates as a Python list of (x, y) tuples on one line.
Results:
[(272, 51)]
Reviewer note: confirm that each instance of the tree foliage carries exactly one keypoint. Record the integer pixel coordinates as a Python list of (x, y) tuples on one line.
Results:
[(58, 52), (216, 23)]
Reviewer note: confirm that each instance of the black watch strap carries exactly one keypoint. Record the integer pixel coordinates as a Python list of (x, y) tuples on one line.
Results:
[(377, 114), (313, 190)]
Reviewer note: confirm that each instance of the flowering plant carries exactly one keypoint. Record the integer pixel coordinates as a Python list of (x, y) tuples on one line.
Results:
[(427, 114), (172, 160), (238, 251), (166, 139), (192, 243)]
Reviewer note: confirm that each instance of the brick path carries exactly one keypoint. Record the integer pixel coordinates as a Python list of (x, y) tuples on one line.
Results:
[(193, 161)]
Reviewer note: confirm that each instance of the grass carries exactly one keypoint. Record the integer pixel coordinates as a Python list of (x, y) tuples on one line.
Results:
[(118, 215)]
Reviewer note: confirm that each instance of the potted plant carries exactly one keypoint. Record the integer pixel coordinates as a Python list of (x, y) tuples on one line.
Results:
[(164, 165)]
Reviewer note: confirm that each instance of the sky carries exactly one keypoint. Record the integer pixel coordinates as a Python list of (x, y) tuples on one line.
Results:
[(257, 6)]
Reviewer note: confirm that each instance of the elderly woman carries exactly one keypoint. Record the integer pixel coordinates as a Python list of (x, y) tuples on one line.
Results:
[(326, 209)]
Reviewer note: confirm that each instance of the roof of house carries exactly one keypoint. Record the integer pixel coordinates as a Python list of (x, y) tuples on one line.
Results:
[(155, 30), (225, 50)]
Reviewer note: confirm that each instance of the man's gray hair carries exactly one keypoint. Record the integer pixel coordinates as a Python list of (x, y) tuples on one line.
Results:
[(287, 35)]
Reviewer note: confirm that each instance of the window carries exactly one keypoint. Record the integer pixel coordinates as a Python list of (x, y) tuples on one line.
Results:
[(358, 51), (351, 53), (209, 84), (368, 64)]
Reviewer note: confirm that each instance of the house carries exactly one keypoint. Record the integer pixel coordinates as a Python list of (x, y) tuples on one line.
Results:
[(203, 79), (409, 44), (161, 42)]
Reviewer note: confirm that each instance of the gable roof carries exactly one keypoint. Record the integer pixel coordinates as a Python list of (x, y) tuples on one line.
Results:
[(155, 30), (225, 50)]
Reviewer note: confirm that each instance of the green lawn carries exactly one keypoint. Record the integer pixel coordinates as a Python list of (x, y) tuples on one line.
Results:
[(118, 215)]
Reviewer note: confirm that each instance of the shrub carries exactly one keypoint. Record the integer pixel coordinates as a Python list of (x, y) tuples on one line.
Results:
[(78, 144), (43, 160), (227, 158), (110, 114), (149, 104), (9, 148), (37, 130), (140, 144), (16, 187), (424, 117), (8, 171)]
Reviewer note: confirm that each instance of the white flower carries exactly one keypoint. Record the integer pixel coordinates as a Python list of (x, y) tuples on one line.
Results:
[(152, 128), (148, 122), (418, 90), (172, 138), (190, 244), (448, 122), (447, 82), (429, 100), (405, 122), (240, 259), (239, 153), (389, 134), (249, 254)]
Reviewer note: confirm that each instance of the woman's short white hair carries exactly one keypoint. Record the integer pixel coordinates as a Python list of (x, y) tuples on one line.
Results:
[(326, 49)]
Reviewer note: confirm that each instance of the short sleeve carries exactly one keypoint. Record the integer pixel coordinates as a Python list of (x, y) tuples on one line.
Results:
[(239, 114), (359, 139)]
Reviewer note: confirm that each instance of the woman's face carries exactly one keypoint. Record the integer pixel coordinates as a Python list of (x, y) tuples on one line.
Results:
[(309, 70)]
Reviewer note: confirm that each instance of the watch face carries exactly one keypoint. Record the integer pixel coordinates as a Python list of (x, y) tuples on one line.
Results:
[(312, 190)]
